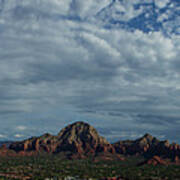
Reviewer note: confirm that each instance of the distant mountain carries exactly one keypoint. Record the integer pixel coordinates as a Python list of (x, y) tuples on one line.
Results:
[(83, 138), (78, 140), (149, 147), (7, 143), (139, 146)]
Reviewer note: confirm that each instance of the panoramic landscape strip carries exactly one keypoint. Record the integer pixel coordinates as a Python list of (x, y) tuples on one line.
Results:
[(79, 152)]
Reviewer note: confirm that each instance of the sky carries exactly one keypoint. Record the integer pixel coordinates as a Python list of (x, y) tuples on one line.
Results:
[(112, 63)]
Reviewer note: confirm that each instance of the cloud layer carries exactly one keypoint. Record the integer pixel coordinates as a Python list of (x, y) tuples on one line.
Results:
[(59, 62)]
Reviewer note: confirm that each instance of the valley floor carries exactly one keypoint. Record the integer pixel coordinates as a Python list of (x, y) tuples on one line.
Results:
[(56, 167)]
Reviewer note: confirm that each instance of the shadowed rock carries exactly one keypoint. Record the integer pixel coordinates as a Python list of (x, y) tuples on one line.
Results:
[(149, 147), (155, 160), (136, 147)]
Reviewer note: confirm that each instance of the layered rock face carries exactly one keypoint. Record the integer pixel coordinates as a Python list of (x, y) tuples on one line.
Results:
[(149, 147), (82, 138), (137, 147), (45, 143), (79, 139)]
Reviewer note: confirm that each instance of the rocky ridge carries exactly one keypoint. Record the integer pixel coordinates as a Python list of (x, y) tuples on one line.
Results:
[(80, 140), (148, 146)]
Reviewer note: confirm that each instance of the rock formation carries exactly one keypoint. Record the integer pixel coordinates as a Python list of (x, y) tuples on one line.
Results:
[(82, 138), (37, 144), (155, 160), (137, 147), (149, 147), (78, 139)]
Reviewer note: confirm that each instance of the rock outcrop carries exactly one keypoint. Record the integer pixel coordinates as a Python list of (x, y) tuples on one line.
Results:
[(83, 139), (137, 147), (155, 160), (149, 147), (45, 142), (79, 140)]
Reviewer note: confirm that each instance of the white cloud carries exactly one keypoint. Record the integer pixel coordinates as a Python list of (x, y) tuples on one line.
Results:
[(54, 6), (2, 136), (100, 44), (161, 3), (18, 135), (87, 8), (21, 128)]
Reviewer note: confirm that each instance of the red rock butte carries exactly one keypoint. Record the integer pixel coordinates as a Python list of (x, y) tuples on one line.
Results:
[(80, 140)]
